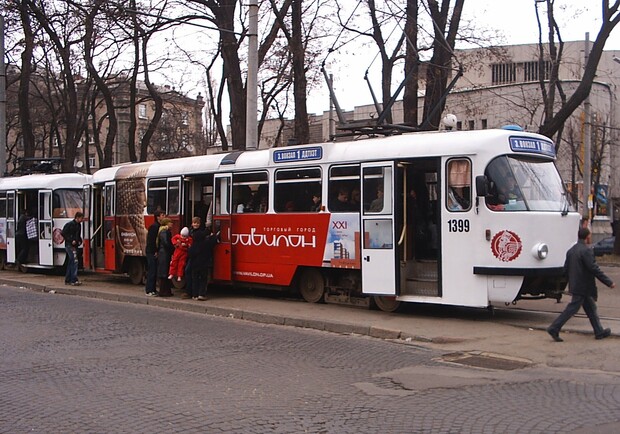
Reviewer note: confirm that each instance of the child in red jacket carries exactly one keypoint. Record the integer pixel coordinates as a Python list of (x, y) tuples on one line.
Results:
[(181, 243)]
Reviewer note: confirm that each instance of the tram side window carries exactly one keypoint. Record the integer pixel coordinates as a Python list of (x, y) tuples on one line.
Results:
[(250, 192), (458, 194), (174, 197), (344, 188), (295, 188), (2, 205), (156, 196), (65, 203)]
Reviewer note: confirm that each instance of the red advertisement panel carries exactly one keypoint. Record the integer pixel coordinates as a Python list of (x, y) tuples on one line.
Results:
[(267, 248)]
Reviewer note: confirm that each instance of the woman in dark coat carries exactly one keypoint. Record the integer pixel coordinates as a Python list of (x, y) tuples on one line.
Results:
[(164, 255)]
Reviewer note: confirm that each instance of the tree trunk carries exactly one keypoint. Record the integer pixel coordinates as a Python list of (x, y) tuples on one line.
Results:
[(410, 96), (28, 139)]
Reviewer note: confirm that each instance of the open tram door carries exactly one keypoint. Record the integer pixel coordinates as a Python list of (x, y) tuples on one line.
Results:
[(86, 227), (222, 257), (378, 230), (11, 204), (46, 244)]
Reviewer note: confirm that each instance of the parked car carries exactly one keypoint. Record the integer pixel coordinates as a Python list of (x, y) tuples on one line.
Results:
[(604, 246)]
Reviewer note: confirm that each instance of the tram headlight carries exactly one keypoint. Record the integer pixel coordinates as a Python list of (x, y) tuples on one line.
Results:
[(540, 250)]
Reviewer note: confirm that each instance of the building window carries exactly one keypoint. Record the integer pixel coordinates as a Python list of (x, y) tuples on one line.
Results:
[(484, 124), (92, 162), (459, 125), (472, 125), (531, 70), (142, 111), (502, 73)]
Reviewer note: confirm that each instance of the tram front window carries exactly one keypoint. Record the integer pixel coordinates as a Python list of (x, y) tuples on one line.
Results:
[(518, 184)]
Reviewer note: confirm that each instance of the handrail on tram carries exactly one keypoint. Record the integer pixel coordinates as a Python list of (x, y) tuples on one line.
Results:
[(95, 233), (402, 235)]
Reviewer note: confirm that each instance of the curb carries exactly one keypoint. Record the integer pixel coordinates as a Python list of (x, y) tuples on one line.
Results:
[(253, 316)]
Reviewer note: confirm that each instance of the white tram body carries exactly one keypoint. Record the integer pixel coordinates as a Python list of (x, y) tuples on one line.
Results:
[(471, 218), (52, 200)]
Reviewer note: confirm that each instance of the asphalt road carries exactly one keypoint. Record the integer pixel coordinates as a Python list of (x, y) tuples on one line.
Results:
[(75, 364)]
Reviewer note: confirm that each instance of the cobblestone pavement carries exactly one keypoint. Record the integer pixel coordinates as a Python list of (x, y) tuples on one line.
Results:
[(73, 364)]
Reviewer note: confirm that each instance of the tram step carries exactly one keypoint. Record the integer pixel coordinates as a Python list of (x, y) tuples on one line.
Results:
[(426, 270), (421, 287)]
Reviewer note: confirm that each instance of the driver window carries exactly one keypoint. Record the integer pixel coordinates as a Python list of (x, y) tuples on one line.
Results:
[(458, 194)]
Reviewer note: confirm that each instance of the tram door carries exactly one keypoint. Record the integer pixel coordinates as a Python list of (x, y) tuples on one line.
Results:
[(86, 226), (46, 244), (222, 269), (10, 226), (378, 240), (109, 205)]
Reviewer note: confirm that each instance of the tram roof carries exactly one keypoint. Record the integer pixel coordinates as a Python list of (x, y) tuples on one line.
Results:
[(409, 145), (39, 181)]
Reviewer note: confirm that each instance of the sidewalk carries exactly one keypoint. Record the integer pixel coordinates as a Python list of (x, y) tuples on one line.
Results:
[(511, 332)]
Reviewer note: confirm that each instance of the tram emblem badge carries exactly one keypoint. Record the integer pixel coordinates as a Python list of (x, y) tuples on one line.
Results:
[(506, 246)]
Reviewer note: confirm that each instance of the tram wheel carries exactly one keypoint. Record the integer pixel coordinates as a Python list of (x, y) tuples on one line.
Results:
[(311, 285), (386, 304), (136, 271)]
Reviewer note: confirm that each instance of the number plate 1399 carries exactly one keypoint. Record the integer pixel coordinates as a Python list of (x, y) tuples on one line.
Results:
[(458, 225)]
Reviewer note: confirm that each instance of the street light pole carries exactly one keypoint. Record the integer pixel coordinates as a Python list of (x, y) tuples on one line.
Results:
[(251, 125), (587, 145), (2, 102)]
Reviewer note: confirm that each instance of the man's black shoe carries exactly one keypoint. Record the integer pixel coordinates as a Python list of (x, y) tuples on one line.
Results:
[(606, 333), (555, 335)]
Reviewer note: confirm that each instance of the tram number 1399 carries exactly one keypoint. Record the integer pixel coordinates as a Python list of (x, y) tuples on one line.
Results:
[(458, 225)]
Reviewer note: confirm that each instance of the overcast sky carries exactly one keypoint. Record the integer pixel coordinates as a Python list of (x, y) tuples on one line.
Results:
[(515, 19)]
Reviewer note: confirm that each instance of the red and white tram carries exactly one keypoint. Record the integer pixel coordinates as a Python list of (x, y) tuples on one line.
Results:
[(470, 218)]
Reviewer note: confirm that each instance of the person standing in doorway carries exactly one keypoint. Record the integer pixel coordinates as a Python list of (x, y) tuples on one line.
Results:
[(151, 254), (21, 239), (581, 269), (164, 255), (196, 227), (72, 233), (201, 258)]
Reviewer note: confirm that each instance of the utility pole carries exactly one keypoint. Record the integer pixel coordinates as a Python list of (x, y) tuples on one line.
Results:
[(2, 102), (587, 145), (331, 109), (251, 125)]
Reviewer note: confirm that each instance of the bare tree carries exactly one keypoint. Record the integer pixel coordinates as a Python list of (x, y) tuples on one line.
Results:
[(553, 121), (62, 27), (439, 68), (389, 53)]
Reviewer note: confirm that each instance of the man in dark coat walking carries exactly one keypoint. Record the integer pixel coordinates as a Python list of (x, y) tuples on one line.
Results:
[(581, 269)]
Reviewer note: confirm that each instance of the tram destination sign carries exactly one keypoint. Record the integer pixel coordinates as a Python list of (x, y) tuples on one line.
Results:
[(529, 144), (305, 154)]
